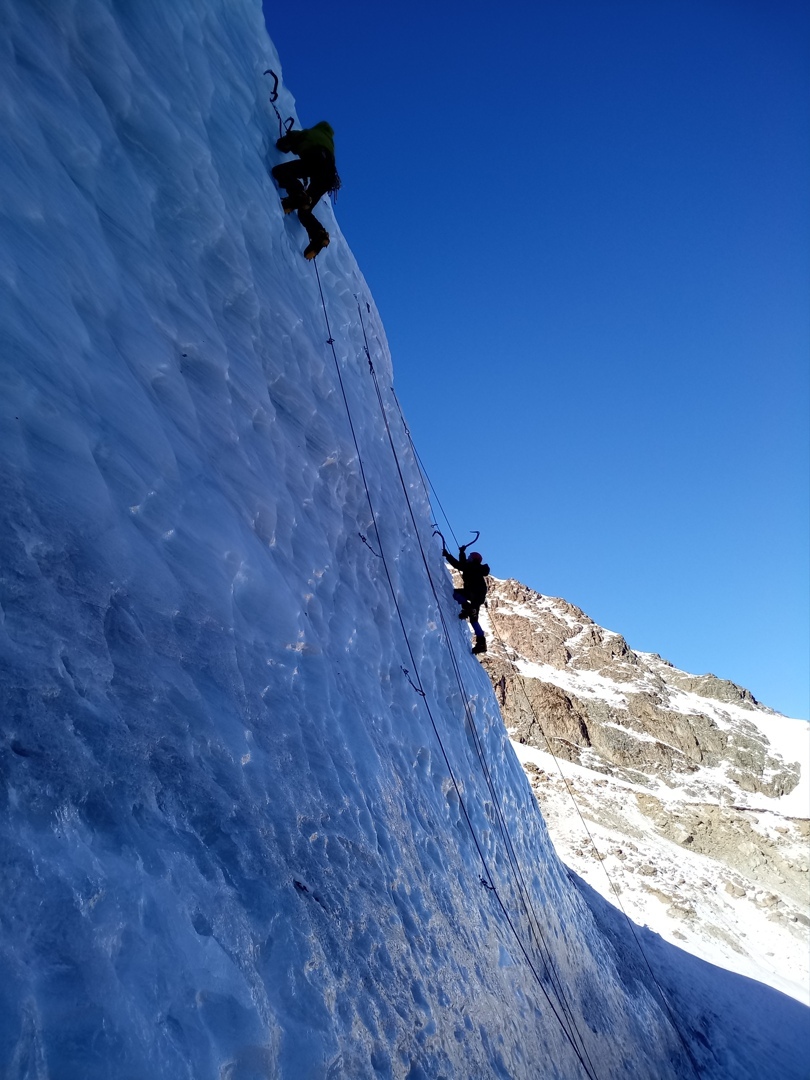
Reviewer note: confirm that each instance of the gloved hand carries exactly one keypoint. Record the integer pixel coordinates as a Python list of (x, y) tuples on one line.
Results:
[(283, 144)]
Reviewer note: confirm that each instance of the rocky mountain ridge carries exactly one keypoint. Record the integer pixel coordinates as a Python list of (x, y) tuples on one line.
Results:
[(688, 799), (633, 717)]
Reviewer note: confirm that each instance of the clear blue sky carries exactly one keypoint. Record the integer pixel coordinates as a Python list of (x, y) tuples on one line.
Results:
[(587, 228)]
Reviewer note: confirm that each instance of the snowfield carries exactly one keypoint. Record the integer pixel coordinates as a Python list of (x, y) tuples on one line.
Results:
[(261, 816)]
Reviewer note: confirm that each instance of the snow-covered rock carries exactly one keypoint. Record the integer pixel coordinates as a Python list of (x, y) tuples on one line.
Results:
[(694, 798)]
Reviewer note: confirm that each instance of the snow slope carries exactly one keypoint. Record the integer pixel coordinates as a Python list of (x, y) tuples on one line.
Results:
[(253, 824), (689, 898), (679, 798), (708, 851)]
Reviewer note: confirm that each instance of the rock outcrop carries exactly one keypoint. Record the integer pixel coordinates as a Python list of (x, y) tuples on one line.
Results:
[(565, 682), (675, 781)]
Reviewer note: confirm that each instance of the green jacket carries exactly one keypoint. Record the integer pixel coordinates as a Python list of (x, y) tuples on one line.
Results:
[(319, 137)]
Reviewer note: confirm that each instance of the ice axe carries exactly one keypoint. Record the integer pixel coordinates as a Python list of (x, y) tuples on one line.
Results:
[(462, 547), (465, 546), (283, 125)]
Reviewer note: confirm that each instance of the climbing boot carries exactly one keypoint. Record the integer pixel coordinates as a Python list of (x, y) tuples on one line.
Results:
[(480, 645), (465, 611), (316, 245)]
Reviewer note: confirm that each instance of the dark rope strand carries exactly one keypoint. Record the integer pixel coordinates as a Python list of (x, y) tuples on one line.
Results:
[(599, 859), (423, 473), (422, 469), (420, 687), (522, 889), (662, 996)]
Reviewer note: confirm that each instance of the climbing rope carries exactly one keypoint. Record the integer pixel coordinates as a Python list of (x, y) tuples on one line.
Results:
[(522, 890), (416, 681), (600, 858), (423, 473), (479, 748), (420, 466)]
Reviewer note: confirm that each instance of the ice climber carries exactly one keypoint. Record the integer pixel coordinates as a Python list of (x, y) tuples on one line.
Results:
[(315, 148), (473, 591)]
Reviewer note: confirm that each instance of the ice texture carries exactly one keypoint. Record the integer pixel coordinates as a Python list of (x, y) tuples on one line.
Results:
[(231, 844)]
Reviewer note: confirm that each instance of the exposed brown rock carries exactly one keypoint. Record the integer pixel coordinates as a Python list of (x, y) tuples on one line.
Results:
[(639, 734)]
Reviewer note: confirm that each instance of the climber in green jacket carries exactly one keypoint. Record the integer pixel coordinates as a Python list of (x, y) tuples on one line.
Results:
[(315, 148)]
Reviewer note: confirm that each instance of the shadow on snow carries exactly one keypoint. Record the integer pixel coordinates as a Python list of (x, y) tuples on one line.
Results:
[(736, 1028)]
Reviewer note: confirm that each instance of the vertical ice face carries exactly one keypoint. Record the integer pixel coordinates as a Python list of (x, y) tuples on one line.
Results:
[(231, 843)]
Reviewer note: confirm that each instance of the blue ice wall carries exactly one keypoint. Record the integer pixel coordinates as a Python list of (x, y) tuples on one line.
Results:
[(236, 841)]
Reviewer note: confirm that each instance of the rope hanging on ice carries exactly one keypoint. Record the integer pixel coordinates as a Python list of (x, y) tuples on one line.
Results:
[(437, 532), (535, 929), (418, 686)]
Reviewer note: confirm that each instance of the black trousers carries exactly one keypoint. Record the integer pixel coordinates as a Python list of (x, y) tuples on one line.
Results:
[(318, 168)]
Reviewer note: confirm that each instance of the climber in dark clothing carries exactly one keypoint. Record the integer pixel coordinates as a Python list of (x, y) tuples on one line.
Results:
[(473, 592), (315, 148)]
